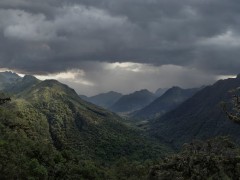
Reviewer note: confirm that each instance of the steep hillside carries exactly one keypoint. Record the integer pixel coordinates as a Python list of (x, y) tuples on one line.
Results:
[(104, 100), (133, 102), (78, 124), (198, 117), (47, 131), (165, 103)]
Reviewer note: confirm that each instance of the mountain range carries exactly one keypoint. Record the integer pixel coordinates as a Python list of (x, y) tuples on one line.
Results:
[(132, 102), (199, 117), (165, 103), (104, 100), (113, 102), (48, 131)]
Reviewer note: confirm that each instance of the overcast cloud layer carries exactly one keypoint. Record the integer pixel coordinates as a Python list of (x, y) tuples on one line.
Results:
[(201, 37)]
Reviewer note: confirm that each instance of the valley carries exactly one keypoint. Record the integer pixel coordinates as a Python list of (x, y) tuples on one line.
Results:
[(54, 133)]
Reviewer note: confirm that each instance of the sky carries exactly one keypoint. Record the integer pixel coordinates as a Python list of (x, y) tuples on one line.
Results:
[(96, 46)]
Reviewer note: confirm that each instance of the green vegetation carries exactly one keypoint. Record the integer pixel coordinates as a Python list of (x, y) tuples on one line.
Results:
[(48, 132), (217, 158), (234, 113)]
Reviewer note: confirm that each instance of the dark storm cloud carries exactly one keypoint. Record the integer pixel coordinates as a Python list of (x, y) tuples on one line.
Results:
[(56, 35)]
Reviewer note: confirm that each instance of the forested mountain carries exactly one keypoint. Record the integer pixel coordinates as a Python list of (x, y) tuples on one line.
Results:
[(132, 102), (201, 116), (104, 100), (165, 103), (48, 132)]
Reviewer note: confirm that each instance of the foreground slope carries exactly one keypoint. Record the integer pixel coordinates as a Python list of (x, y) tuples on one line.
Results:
[(168, 101), (216, 158), (198, 117)]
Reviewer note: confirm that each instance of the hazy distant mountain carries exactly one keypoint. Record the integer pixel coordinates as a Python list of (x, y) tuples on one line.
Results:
[(133, 102), (199, 117), (8, 75), (104, 100), (168, 101), (7, 78), (22, 84), (84, 97), (160, 91)]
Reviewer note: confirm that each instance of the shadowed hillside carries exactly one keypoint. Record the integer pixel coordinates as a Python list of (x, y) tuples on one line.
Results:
[(168, 101), (213, 159), (199, 117)]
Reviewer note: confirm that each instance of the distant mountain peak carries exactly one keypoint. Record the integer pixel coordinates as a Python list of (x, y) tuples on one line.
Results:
[(134, 101), (238, 76), (113, 92), (168, 101), (104, 100), (10, 75), (29, 78), (144, 90), (176, 87)]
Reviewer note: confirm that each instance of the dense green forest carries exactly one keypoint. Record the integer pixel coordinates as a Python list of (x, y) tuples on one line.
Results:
[(217, 158), (48, 132)]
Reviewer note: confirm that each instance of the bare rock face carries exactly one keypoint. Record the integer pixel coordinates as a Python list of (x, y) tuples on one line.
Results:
[(214, 159)]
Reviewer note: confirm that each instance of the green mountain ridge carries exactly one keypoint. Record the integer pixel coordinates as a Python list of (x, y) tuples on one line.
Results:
[(63, 108), (200, 117), (59, 135)]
